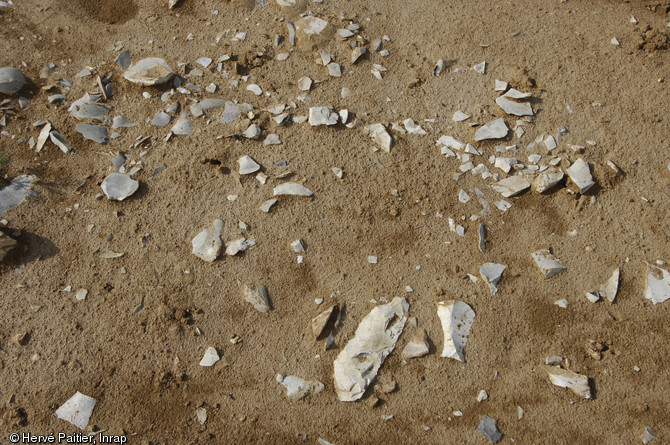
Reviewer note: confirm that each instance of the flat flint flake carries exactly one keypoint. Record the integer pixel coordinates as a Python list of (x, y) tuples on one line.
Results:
[(257, 296), (456, 318), (609, 289), (580, 175), (379, 135), (579, 384), (357, 364), (58, 140), (292, 188), (657, 289), (511, 186), (77, 410), (150, 71), (547, 263), (496, 129), (94, 133), (491, 273), (488, 427), (298, 388), (322, 116), (207, 244), (15, 193)]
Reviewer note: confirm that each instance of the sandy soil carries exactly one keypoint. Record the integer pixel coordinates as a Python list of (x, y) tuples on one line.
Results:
[(142, 367)]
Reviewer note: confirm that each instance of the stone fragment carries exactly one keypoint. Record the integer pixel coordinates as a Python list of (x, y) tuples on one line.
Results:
[(272, 139), (358, 363), (322, 116), (513, 107), (252, 132), (547, 179), (267, 205), (609, 289), (647, 435), (207, 244), (121, 122), (257, 296), (459, 116), (480, 68), (493, 130), (236, 246), (150, 71), (379, 135), (417, 346), (564, 378), (292, 188), (511, 186), (248, 165), (320, 322), (413, 128), (93, 132), (658, 284), (11, 80), (304, 84), (553, 360), (161, 119), (456, 318), (547, 263), (483, 395), (7, 243), (491, 273), (489, 429), (77, 410), (183, 126), (210, 357), (334, 69), (357, 53), (119, 186), (297, 388), (580, 175)]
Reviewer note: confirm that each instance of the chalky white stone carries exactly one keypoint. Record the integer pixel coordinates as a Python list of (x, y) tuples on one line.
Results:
[(119, 186), (580, 175), (207, 244), (358, 363), (456, 318), (77, 410), (564, 378), (547, 263), (493, 130), (150, 71)]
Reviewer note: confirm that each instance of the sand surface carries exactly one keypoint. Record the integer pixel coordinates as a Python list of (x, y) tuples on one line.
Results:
[(142, 366)]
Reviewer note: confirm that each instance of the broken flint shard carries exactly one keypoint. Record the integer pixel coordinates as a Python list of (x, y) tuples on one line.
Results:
[(456, 318), (119, 186), (379, 135), (609, 289), (207, 244), (210, 357), (580, 175), (578, 383), (358, 363), (493, 130), (320, 321), (297, 388), (257, 296), (77, 410), (547, 263), (511, 186), (7, 243), (417, 346), (292, 188), (151, 71), (492, 273), (658, 284), (489, 428)]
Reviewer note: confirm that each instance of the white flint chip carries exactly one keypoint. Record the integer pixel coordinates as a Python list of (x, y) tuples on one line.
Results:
[(358, 363), (564, 378), (119, 186), (77, 410), (379, 135), (247, 165), (493, 130), (580, 175), (456, 318), (257, 296), (210, 357), (151, 71), (547, 179), (511, 186), (253, 132), (417, 346), (547, 263), (322, 116), (292, 188), (609, 289), (492, 273), (658, 284), (297, 388), (412, 127), (207, 244)]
